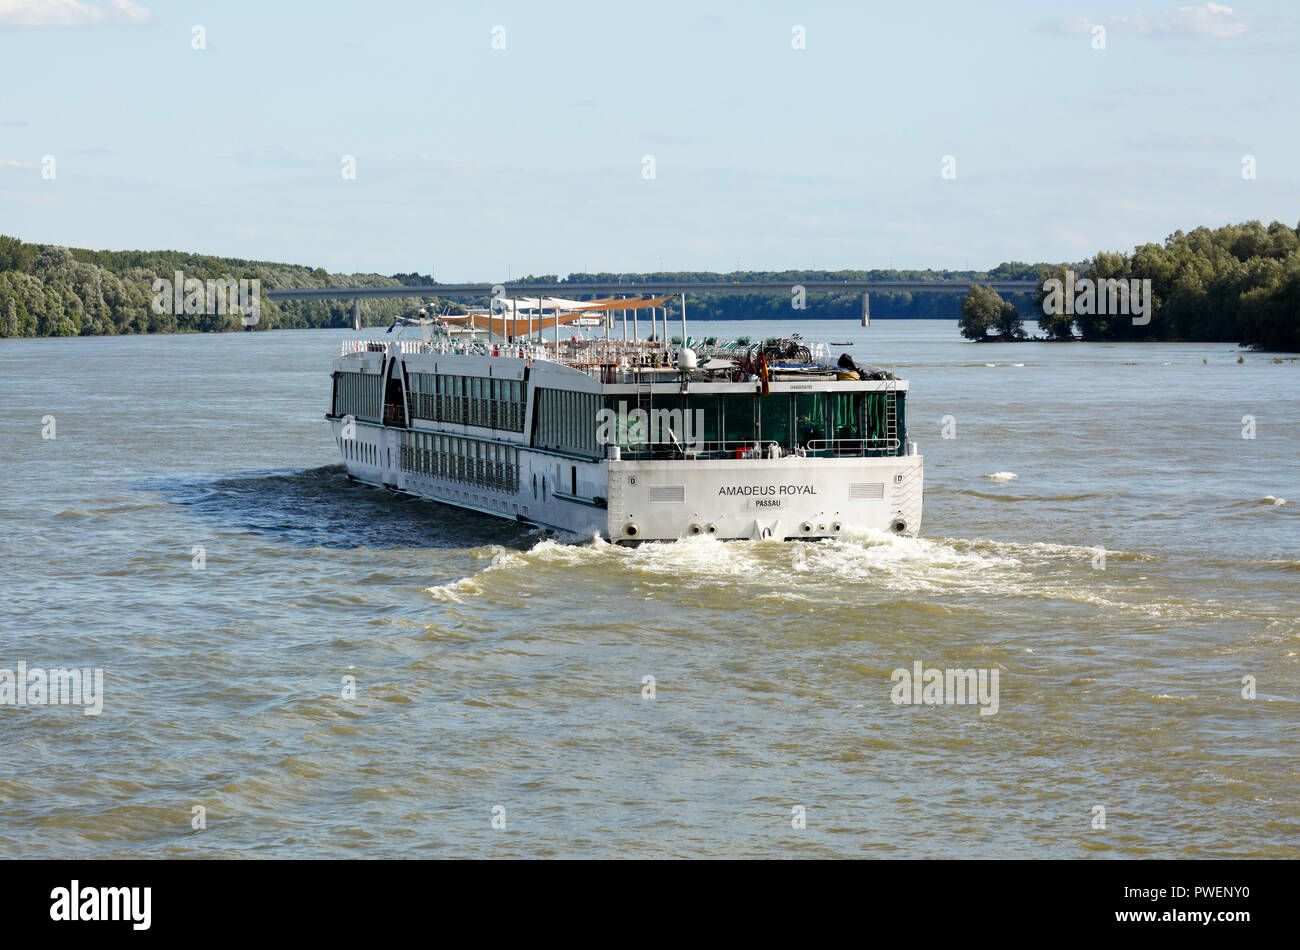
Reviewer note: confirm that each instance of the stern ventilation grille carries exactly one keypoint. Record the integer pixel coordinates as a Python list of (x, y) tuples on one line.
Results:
[(666, 494), (858, 490)]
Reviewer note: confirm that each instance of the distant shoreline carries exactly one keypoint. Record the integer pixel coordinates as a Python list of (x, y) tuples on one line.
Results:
[(1246, 292)]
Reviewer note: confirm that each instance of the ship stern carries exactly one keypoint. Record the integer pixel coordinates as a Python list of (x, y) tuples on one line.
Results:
[(790, 498)]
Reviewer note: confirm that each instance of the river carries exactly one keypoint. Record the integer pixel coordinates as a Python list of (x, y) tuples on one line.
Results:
[(1137, 570)]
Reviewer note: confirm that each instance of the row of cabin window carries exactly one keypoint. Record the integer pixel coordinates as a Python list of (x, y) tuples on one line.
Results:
[(486, 464), (468, 400), (567, 421), (359, 451), (358, 395)]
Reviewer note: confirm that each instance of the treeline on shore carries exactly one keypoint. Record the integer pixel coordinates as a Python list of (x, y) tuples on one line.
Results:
[(46, 290), (1238, 283)]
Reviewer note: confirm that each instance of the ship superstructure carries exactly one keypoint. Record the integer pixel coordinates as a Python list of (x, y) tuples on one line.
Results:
[(627, 438)]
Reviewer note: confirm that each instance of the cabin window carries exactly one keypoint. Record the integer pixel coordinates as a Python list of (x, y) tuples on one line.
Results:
[(706, 410), (774, 419), (738, 417), (358, 395), (810, 418), (566, 422), (875, 424), (846, 420), (475, 400), (428, 401)]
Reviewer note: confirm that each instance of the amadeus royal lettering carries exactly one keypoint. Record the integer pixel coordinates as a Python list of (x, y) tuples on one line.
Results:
[(767, 490)]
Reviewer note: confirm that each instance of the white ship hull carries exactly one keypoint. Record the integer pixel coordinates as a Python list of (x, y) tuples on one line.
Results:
[(630, 501), (622, 499)]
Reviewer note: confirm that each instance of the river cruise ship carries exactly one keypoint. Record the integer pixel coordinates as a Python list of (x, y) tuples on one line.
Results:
[(630, 439)]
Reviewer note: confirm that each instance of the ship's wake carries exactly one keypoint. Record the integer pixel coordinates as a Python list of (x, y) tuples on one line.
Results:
[(865, 567), (861, 560), (322, 507)]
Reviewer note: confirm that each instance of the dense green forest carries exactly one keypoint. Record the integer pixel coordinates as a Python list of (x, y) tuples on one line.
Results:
[(56, 291), (1238, 283)]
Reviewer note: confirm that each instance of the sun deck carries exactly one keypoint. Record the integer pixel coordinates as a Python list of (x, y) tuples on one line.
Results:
[(631, 361)]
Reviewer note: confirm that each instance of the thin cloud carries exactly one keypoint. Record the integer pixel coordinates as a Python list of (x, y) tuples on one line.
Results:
[(1208, 19), (1073, 238), (71, 14)]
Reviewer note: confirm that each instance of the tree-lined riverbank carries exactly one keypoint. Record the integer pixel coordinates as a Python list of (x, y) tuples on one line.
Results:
[(1238, 283)]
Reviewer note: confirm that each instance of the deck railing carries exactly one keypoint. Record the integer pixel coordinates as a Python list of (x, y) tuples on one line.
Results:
[(758, 449), (730, 449), (593, 355), (854, 447), (415, 347)]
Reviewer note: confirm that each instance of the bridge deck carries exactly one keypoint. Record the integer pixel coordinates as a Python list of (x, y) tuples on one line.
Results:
[(654, 287)]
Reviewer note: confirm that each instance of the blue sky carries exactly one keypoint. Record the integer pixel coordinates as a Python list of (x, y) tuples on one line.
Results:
[(484, 164)]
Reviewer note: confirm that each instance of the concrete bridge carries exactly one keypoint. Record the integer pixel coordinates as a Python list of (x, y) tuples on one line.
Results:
[(652, 287)]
